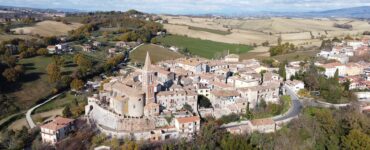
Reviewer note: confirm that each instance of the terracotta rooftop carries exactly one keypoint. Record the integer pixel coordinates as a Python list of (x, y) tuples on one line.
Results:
[(188, 119), (331, 65), (57, 123)]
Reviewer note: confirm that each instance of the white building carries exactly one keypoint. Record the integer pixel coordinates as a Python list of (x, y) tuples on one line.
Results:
[(295, 85), (187, 126), (331, 68), (56, 130), (232, 58)]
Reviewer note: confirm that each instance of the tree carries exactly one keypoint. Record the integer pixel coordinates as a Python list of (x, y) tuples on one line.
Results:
[(204, 102), (51, 40), (114, 143), (57, 60), (54, 72), (9, 60), (355, 140), (11, 74), (336, 75), (130, 145), (42, 51), (279, 40), (154, 41), (266, 43), (67, 111), (77, 84), (282, 70), (187, 107), (84, 64), (262, 104)]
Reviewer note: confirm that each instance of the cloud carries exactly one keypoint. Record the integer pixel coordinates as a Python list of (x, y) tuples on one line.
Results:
[(191, 6)]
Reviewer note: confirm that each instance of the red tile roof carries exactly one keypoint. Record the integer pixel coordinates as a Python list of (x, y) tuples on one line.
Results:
[(58, 123), (188, 119)]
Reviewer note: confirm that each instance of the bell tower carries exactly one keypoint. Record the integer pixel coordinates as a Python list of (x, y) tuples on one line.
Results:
[(148, 80)]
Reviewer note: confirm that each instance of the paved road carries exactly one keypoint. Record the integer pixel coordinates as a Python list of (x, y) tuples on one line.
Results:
[(294, 110), (29, 112)]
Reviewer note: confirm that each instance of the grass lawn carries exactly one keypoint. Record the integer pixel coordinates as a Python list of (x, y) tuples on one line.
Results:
[(5, 37), (60, 102), (203, 48), (34, 84), (296, 56), (210, 30), (156, 52)]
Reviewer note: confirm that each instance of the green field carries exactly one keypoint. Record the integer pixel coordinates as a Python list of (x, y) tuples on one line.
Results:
[(61, 101), (203, 48), (210, 30), (157, 53), (34, 83)]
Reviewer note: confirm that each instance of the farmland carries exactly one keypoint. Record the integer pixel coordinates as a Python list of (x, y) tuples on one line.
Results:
[(203, 48), (221, 32), (47, 28), (157, 53), (299, 31)]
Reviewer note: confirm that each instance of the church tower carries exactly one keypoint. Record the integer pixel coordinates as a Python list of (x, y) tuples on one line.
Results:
[(148, 80)]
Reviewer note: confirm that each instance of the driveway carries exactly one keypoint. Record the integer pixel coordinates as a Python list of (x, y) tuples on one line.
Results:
[(29, 112)]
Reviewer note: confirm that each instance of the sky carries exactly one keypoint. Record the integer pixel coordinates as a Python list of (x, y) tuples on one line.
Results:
[(192, 6)]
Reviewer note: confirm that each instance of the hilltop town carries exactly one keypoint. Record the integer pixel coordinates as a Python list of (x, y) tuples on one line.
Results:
[(133, 80)]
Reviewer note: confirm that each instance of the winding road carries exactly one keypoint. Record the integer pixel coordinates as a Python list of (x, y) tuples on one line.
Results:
[(293, 111), (29, 112), (295, 108)]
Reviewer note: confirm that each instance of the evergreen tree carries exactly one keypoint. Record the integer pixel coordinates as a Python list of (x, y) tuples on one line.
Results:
[(67, 111), (282, 71), (336, 75)]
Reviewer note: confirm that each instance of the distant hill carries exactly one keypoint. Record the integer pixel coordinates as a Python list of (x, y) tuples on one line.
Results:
[(354, 12)]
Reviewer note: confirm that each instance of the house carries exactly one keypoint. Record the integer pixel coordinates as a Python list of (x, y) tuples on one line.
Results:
[(354, 69), (62, 46), (57, 130), (121, 44), (223, 98), (232, 58), (112, 50), (269, 77), (255, 94), (355, 44), (195, 65), (331, 68), (13, 49), (295, 85), (342, 58), (187, 126), (52, 49), (87, 48), (97, 43)]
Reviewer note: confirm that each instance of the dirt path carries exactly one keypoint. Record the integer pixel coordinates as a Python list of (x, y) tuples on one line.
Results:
[(18, 124)]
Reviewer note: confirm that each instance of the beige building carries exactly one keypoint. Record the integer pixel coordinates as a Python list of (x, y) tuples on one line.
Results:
[(232, 58), (56, 130), (175, 100), (188, 126)]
